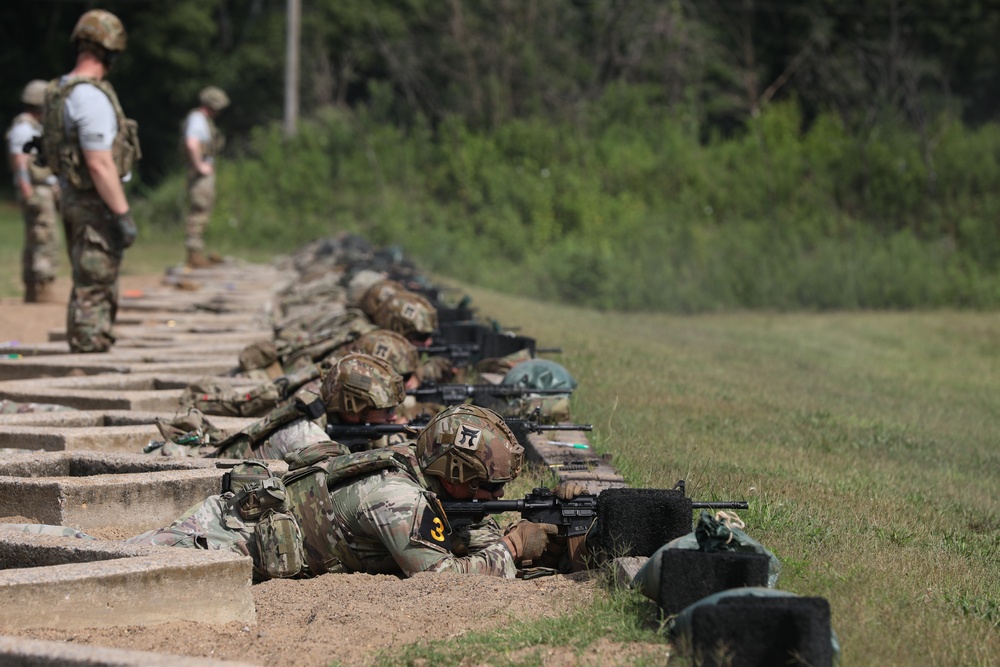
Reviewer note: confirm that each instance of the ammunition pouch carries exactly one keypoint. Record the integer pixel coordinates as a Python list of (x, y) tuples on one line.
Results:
[(255, 490), (279, 545)]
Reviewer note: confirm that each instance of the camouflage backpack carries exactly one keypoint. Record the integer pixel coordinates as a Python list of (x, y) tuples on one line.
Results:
[(228, 401), (539, 374)]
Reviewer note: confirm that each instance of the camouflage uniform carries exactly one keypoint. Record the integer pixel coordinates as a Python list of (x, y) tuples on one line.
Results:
[(386, 519), (358, 382), (201, 187), (40, 258), (96, 236)]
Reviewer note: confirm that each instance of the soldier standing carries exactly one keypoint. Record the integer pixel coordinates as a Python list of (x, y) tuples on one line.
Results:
[(38, 192), (202, 143), (92, 147)]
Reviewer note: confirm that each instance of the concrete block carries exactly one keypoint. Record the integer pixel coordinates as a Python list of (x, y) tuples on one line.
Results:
[(87, 490), (70, 583), (131, 391), (624, 569), (98, 431), (19, 652)]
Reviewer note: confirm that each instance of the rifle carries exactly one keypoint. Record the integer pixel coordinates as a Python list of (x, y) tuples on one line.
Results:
[(456, 394), (573, 517), (521, 427), (357, 436), (460, 354)]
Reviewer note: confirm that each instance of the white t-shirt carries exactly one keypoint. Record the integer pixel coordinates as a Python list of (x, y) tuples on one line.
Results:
[(21, 133), (90, 112), (196, 127)]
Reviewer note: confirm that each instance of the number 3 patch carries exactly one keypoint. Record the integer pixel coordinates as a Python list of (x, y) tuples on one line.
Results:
[(431, 529)]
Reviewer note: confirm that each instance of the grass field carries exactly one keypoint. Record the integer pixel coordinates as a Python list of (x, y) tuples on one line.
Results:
[(865, 443)]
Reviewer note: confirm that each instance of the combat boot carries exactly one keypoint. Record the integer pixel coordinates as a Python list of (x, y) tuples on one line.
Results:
[(46, 293), (197, 260)]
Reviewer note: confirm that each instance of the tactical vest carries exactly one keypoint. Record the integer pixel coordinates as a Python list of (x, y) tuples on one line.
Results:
[(37, 173), (63, 153), (209, 149), (251, 441), (311, 473)]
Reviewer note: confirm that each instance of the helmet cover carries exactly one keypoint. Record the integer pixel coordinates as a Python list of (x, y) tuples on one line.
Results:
[(469, 443), (407, 313), (378, 294), (214, 98), (401, 354), (34, 93), (359, 382), (100, 27)]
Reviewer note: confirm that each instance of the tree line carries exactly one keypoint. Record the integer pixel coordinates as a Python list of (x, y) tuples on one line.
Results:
[(714, 62), (684, 155)]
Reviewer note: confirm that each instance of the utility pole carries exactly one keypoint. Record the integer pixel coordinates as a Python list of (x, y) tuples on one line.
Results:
[(293, 32)]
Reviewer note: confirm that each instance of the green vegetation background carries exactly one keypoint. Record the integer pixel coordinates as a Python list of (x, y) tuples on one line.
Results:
[(626, 208)]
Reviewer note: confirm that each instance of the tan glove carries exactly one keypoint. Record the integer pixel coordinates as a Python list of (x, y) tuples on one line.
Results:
[(569, 490), (527, 541)]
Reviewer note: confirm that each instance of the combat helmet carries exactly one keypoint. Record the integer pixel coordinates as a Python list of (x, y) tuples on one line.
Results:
[(401, 354), (34, 93), (214, 98), (378, 294), (102, 28), (359, 382), (469, 443), (407, 313)]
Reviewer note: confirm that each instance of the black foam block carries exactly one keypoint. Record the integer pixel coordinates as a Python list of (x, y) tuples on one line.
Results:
[(637, 522), (762, 632), (687, 575)]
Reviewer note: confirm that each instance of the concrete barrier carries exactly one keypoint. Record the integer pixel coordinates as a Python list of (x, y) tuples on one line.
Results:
[(158, 392), (92, 430), (19, 652), (71, 583)]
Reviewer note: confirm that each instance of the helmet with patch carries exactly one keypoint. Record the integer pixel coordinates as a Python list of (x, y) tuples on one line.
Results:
[(469, 443), (378, 294), (34, 93), (102, 28), (407, 313), (401, 354), (214, 98), (359, 382)]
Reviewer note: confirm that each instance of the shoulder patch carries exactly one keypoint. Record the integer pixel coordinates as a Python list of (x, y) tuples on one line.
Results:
[(429, 527)]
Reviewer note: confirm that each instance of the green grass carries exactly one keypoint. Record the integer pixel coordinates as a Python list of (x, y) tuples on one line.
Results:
[(865, 443)]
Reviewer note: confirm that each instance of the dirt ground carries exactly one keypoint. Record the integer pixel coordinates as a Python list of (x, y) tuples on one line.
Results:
[(333, 618), (349, 618), (31, 322)]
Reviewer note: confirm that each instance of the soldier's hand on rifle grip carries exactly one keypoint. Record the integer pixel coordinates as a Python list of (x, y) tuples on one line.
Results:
[(569, 490), (528, 541)]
